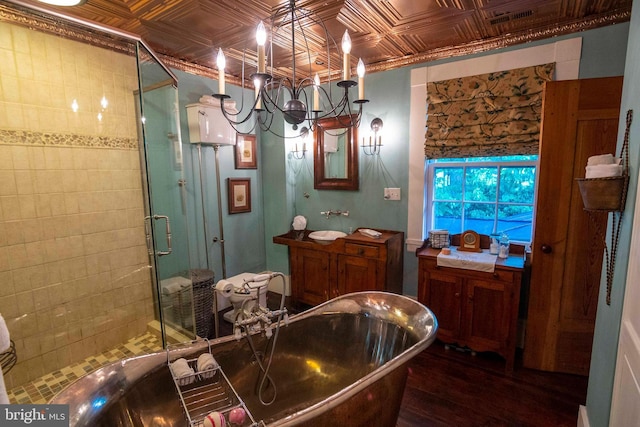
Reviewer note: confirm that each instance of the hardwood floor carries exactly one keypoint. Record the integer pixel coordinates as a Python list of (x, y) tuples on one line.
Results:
[(452, 388), (449, 388)]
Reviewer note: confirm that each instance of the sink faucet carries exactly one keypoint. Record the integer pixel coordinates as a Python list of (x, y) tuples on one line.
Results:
[(332, 212)]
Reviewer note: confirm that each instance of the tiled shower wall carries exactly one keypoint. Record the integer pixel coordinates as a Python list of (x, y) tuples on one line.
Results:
[(74, 275)]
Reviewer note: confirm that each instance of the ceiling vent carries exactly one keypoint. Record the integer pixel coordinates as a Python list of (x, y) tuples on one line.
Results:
[(506, 17)]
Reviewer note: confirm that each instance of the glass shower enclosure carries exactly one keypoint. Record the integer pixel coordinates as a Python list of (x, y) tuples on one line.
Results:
[(165, 201)]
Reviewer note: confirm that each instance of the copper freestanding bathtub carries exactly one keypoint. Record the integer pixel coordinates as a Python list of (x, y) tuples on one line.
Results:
[(340, 363)]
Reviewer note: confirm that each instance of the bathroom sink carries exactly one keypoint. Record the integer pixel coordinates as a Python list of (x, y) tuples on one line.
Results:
[(326, 235)]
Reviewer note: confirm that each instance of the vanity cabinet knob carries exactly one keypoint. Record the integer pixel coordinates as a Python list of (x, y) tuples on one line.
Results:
[(457, 294), (546, 249)]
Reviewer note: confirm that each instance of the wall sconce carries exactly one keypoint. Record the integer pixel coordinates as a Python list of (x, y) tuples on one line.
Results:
[(304, 136), (375, 138)]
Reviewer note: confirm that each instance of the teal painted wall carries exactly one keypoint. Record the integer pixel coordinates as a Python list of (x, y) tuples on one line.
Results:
[(603, 52), (244, 233), (280, 183), (605, 340)]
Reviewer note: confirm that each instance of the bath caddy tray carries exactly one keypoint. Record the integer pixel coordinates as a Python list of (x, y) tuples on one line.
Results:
[(207, 391)]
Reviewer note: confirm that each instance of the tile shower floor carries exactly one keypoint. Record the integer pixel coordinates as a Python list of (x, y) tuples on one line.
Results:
[(44, 388)]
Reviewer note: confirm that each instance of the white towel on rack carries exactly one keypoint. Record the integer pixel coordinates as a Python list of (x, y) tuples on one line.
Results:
[(5, 343), (182, 372), (206, 362), (603, 159), (603, 171)]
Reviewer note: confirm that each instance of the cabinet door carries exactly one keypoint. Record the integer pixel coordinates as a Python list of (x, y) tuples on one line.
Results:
[(486, 314), (357, 274), (311, 276), (442, 294)]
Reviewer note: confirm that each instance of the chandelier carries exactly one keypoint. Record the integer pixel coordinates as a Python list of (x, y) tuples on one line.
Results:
[(298, 98)]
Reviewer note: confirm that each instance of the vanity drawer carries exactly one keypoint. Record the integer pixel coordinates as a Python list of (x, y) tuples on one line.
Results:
[(362, 250)]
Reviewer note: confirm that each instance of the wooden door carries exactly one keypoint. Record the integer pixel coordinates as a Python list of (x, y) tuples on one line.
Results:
[(580, 119)]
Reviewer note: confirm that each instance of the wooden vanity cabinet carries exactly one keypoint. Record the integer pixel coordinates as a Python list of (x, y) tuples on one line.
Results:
[(320, 272), (310, 275), (475, 309)]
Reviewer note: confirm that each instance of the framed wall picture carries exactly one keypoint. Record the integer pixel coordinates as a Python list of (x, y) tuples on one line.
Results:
[(245, 153), (239, 195)]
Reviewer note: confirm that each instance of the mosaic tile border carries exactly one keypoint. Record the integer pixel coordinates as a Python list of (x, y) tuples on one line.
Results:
[(21, 137), (44, 388)]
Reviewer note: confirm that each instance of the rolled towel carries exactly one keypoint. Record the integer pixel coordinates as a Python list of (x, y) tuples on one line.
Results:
[(299, 223), (182, 372), (206, 362), (206, 365), (603, 171), (603, 159)]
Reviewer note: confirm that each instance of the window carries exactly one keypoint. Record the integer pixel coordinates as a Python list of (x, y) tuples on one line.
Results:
[(484, 194)]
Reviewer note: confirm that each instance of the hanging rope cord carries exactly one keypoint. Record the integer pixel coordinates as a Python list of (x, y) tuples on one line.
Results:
[(616, 217)]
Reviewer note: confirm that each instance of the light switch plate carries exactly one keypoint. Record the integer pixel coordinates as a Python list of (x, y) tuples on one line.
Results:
[(392, 194)]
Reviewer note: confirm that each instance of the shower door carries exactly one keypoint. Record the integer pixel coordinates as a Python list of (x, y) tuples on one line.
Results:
[(165, 197)]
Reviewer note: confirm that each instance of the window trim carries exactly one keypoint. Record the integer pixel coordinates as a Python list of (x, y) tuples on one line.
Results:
[(429, 172), (565, 53)]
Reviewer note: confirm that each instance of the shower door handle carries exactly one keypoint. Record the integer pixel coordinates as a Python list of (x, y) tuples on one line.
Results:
[(168, 228), (147, 234)]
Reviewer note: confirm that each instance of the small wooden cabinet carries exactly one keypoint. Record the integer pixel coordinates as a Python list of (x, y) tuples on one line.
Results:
[(475, 309), (320, 272)]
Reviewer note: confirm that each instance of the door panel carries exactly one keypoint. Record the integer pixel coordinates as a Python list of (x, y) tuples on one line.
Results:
[(312, 276), (487, 318), (579, 120), (356, 274), (443, 296), (165, 204)]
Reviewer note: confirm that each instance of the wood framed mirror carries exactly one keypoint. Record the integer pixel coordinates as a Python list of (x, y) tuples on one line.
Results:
[(335, 160)]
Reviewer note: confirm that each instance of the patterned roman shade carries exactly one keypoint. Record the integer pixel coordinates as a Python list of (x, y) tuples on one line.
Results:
[(492, 114)]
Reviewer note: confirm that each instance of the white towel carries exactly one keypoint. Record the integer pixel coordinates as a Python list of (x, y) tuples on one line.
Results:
[(206, 362), (480, 261), (603, 171), (182, 372), (299, 223), (603, 159), (5, 343)]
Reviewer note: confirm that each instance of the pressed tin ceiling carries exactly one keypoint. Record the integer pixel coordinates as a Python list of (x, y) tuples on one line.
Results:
[(386, 34)]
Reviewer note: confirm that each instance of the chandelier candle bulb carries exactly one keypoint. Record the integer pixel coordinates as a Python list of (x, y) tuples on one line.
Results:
[(316, 93), (281, 92), (360, 69), (256, 84), (346, 50), (261, 39), (221, 62)]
